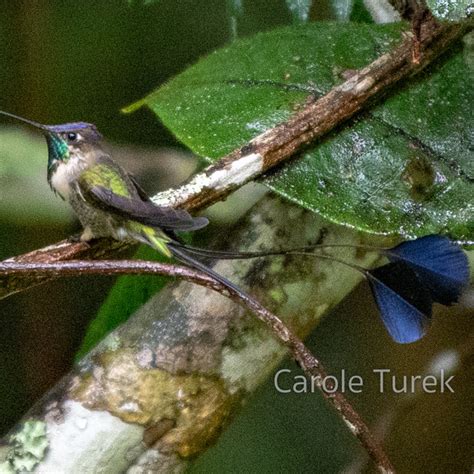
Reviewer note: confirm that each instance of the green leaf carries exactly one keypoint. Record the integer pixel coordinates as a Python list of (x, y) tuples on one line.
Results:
[(451, 10), (127, 295), (405, 167)]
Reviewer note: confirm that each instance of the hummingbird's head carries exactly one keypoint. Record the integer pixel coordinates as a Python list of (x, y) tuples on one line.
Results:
[(70, 141), (66, 141)]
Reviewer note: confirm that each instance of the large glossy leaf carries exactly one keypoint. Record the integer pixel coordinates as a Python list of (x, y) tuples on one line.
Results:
[(404, 167)]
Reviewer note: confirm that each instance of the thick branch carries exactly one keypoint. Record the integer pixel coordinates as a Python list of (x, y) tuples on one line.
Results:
[(276, 145), (311, 366), (158, 390)]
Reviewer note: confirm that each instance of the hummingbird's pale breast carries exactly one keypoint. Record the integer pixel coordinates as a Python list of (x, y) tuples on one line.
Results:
[(67, 173)]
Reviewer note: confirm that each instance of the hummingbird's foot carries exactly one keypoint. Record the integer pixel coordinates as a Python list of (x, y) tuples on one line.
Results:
[(74, 238), (87, 235)]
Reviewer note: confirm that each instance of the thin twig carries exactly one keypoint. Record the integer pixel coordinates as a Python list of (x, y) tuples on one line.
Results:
[(276, 145), (307, 361)]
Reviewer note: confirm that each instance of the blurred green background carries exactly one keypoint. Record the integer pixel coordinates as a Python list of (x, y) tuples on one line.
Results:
[(64, 61)]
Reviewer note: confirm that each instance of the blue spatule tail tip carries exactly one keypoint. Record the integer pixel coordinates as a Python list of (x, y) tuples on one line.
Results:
[(440, 264), (404, 302)]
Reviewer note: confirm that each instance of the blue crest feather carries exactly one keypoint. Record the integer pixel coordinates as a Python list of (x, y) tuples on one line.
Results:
[(87, 128), (69, 127)]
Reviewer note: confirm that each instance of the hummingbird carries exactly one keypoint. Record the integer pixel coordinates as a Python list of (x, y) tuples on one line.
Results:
[(110, 203), (107, 200)]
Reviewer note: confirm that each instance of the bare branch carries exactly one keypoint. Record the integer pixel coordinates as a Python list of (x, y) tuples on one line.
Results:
[(311, 366), (276, 145)]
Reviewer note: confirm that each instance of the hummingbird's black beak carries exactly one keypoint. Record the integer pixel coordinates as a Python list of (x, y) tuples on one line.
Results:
[(42, 127)]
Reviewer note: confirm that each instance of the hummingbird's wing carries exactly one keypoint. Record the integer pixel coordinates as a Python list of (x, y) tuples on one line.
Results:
[(113, 194), (141, 192)]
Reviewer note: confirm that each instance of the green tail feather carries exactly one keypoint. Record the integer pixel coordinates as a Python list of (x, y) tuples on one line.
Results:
[(158, 240), (154, 237)]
